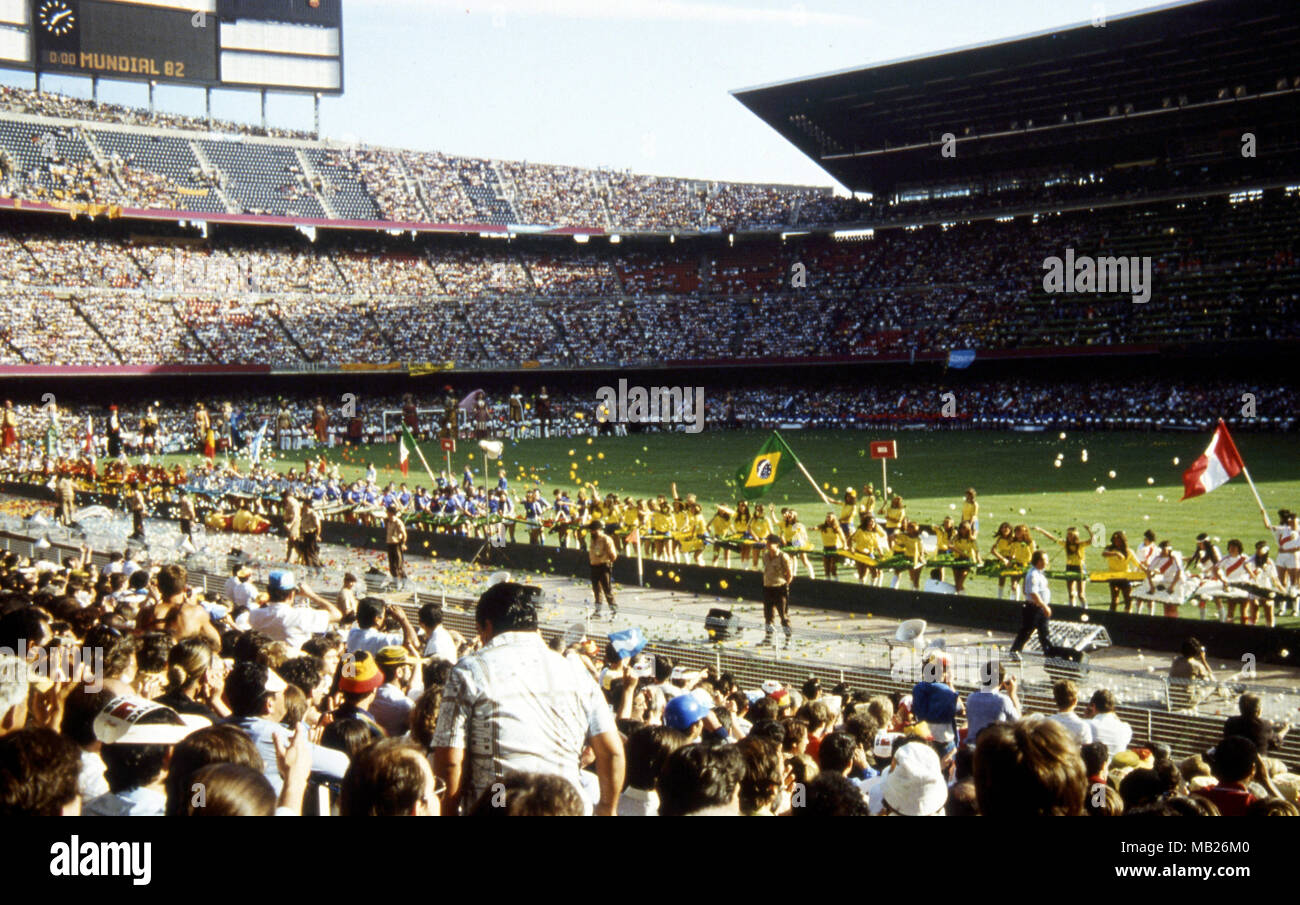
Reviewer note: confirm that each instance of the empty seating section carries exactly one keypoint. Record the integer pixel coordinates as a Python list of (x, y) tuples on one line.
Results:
[(342, 184), (178, 183), (263, 179), (484, 191), (51, 163)]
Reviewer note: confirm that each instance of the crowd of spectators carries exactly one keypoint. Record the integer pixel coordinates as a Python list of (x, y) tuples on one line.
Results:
[(411, 186), (62, 106), (197, 703), (1221, 269)]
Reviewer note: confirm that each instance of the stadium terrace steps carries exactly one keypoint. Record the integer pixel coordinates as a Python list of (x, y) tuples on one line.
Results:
[(93, 326), (316, 184), (263, 178)]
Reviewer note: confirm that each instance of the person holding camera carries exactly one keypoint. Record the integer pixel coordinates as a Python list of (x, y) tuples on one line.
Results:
[(991, 703)]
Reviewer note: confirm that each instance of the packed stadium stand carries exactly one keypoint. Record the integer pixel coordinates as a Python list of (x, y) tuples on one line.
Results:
[(1223, 268), (933, 255)]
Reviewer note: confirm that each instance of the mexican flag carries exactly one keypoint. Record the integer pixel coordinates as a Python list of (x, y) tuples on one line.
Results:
[(774, 459)]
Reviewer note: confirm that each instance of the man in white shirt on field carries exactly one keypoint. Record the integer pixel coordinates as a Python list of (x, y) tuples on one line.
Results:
[(1037, 607)]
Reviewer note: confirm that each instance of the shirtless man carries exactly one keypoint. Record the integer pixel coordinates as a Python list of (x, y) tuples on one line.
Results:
[(174, 612)]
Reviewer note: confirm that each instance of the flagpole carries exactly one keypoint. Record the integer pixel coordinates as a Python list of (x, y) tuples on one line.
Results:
[(420, 453), (825, 498), (1246, 471), (640, 577), (1262, 510)]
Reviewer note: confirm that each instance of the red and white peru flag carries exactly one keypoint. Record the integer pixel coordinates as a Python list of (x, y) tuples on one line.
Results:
[(1220, 464)]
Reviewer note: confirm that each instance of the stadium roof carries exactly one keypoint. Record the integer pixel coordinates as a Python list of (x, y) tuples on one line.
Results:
[(1105, 93)]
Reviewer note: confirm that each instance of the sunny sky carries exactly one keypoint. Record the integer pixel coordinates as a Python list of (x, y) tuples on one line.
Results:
[(630, 84)]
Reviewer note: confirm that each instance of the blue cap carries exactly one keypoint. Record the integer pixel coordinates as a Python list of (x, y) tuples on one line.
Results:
[(281, 581), (683, 712)]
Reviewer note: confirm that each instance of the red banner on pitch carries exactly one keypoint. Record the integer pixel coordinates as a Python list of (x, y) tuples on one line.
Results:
[(448, 444), (884, 449)]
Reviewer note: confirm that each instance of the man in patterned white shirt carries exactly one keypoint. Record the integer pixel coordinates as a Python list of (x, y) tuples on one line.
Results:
[(516, 705)]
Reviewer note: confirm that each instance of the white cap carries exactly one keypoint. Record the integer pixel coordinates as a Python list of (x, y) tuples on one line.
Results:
[(118, 723)]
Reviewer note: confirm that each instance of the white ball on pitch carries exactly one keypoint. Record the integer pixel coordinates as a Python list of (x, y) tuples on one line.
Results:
[(1057, 463), (1111, 474), (1101, 488), (1151, 480), (1175, 460), (1062, 435)]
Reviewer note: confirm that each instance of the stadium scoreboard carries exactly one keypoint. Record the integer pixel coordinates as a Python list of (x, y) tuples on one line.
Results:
[(283, 45)]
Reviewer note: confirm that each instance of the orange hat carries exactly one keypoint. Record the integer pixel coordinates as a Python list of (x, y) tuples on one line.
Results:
[(361, 674)]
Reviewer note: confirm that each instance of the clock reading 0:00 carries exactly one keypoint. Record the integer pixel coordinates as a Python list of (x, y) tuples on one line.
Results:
[(63, 59)]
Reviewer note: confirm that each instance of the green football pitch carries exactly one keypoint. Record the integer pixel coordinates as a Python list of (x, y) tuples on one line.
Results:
[(1128, 481)]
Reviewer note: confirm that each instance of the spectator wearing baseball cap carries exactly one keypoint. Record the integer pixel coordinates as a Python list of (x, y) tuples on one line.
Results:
[(282, 620), (255, 694), (392, 704), (690, 714), (137, 737)]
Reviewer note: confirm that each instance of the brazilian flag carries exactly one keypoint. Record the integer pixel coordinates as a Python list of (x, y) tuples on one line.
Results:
[(772, 462)]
